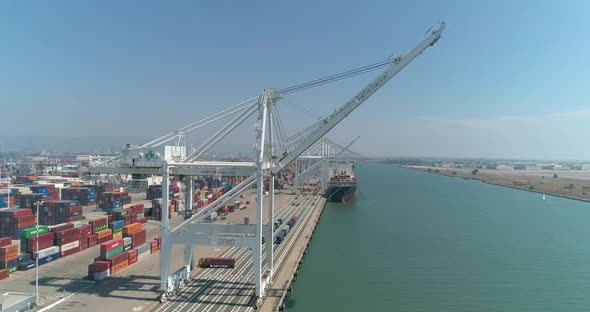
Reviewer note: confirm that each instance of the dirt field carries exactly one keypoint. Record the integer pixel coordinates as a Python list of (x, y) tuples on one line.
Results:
[(571, 184)]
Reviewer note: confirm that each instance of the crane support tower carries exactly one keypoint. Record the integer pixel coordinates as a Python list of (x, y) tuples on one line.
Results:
[(154, 158)]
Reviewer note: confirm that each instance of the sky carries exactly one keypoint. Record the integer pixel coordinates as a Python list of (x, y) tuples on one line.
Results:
[(508, 79)]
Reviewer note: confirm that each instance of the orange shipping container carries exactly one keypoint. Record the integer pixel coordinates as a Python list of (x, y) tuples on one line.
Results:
[(103, 234), (10, 249), (9, 256), (132, 228), (120, 267)]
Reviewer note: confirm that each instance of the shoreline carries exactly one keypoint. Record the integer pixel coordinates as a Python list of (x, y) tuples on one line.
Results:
[(498, 184)]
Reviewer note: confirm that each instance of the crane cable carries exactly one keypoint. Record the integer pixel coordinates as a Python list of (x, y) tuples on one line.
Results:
[(340, 76)]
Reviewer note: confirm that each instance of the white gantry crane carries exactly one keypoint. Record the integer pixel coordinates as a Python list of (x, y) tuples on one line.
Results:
[(156, 158)]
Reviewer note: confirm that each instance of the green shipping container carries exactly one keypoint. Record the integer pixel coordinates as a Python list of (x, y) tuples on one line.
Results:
[(33, 231), (117, 230), (111, 253), (12, 269), (99, 228), (121, 213)]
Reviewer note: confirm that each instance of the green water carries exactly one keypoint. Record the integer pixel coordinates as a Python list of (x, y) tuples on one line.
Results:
[(414, 241)]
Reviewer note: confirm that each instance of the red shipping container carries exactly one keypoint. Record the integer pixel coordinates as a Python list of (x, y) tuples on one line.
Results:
[(110, 245), (85, 231), (132, 256), (68, 233), (98, 222), (104, 239), (3, 274), (98, 259), (21, 212), (138, 238), (139, 208), (83, 244), (25, 224), (5, 241), (143, 220), (24, 219), (118, 258), (92, 240), (67, 236), (70, 252), (127, 219), (62, 228), (101, 266), (45, 241)]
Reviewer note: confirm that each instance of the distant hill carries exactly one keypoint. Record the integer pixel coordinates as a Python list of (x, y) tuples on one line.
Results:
[(96, 144), (54, 144)]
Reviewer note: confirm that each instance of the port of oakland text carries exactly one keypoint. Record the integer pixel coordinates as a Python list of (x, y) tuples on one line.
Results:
[(371, 88)]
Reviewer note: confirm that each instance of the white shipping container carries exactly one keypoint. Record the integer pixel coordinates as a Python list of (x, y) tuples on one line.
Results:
[(101, 275), (69, 246), (127, 241), (48, 251)]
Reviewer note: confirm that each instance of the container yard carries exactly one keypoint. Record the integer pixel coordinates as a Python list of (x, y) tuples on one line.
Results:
[(107, 244)]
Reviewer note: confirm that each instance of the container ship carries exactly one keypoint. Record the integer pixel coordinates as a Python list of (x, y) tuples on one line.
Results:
[(342, 185)]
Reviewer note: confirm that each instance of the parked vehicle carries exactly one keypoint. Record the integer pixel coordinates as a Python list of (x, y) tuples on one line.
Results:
[(211, 262)]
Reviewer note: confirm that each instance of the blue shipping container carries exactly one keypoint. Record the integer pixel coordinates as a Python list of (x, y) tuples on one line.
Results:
[(48, 259), (117, 224), (8, 264), (25, 266), (24, 258)]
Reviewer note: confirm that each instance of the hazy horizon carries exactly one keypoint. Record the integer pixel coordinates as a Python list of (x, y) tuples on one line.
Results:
[(507, 80)]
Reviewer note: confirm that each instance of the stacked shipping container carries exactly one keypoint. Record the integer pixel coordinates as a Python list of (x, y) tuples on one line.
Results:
[(55, 212), (13, 221), (113, 201), (85, 196), (28, 200)]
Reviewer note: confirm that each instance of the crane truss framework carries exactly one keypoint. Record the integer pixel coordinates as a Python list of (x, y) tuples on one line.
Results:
[(203, 168), (265, 167)]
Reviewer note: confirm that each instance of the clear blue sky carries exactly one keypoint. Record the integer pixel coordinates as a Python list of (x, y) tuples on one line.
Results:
[(508, 78)]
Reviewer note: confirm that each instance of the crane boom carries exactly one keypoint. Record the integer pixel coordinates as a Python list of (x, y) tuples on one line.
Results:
[(336, 117)]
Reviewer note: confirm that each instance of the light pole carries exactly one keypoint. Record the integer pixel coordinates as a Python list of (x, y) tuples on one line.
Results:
[(37, 203)]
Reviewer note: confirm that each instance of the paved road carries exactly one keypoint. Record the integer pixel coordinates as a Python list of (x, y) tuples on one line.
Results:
[(233, 289)]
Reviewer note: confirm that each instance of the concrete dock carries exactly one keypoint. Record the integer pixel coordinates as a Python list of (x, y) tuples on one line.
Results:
[(287, 269)]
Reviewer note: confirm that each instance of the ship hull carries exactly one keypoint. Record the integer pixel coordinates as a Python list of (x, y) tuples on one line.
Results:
[(340, 194)]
